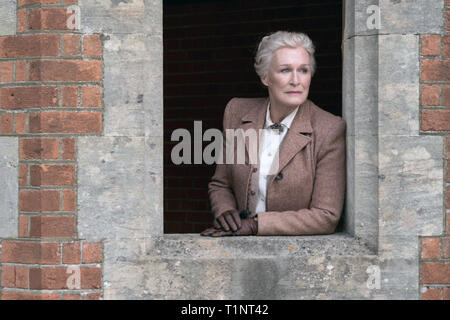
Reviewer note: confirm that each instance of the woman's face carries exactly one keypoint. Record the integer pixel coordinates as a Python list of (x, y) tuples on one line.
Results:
[(289, 77)]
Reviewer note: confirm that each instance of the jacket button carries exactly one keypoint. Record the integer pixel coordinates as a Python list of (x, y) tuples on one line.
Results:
[(279, 176), (255, 169), (252, 192)]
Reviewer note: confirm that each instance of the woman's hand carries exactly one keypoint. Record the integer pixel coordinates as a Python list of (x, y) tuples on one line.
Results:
[(249, 227), (228, 221)]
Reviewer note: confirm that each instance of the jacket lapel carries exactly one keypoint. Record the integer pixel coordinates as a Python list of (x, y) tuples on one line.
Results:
[(296, 138), (254, 120)]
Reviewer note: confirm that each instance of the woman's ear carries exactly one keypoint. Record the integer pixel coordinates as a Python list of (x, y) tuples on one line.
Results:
[(264, 81)]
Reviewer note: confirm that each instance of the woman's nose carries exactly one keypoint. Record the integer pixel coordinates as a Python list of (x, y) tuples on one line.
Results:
[(295, 79)]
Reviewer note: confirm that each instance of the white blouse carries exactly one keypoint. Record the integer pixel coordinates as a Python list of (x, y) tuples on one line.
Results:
[(269, 154)]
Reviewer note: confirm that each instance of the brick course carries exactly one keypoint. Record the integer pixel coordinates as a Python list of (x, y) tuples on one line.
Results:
[(435, 267), (47, 119), (435, 98)]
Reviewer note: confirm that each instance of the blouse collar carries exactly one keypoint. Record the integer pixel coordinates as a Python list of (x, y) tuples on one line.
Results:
[(287, 121)]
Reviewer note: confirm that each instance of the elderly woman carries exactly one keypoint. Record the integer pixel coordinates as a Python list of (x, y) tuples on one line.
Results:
[(304, 194)]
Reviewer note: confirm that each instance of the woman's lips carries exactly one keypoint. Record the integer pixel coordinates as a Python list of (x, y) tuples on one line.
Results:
[(294, 92)]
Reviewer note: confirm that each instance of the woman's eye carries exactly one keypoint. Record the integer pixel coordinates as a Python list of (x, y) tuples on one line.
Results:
[(284, 70), (304, 70)]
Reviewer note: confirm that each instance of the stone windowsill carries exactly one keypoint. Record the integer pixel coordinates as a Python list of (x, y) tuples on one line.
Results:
[(176, 246)]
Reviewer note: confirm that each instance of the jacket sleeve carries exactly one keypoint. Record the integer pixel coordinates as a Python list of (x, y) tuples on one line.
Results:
[(220, 191), (328, 194)]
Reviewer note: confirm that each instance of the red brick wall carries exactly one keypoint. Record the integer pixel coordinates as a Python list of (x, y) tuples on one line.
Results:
[(51, 93), (209, 48), (435, 118)]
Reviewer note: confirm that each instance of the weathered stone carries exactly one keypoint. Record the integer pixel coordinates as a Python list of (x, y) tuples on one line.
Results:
[(179, 266), (411, 16), (9, 173), (357, 13), (395, 16), (8, 17), (365, 185), (410, 194), (153, 187), (361, 115), (111, 176), (106, 16), (133, 85)]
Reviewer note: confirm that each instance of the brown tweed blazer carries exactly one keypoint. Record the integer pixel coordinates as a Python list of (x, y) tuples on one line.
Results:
[(306, 195)]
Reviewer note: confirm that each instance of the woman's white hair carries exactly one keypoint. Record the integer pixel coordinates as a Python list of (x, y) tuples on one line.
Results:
[(274, 41)]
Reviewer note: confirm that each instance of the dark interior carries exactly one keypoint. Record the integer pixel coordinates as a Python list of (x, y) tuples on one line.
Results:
[(209, 47)]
